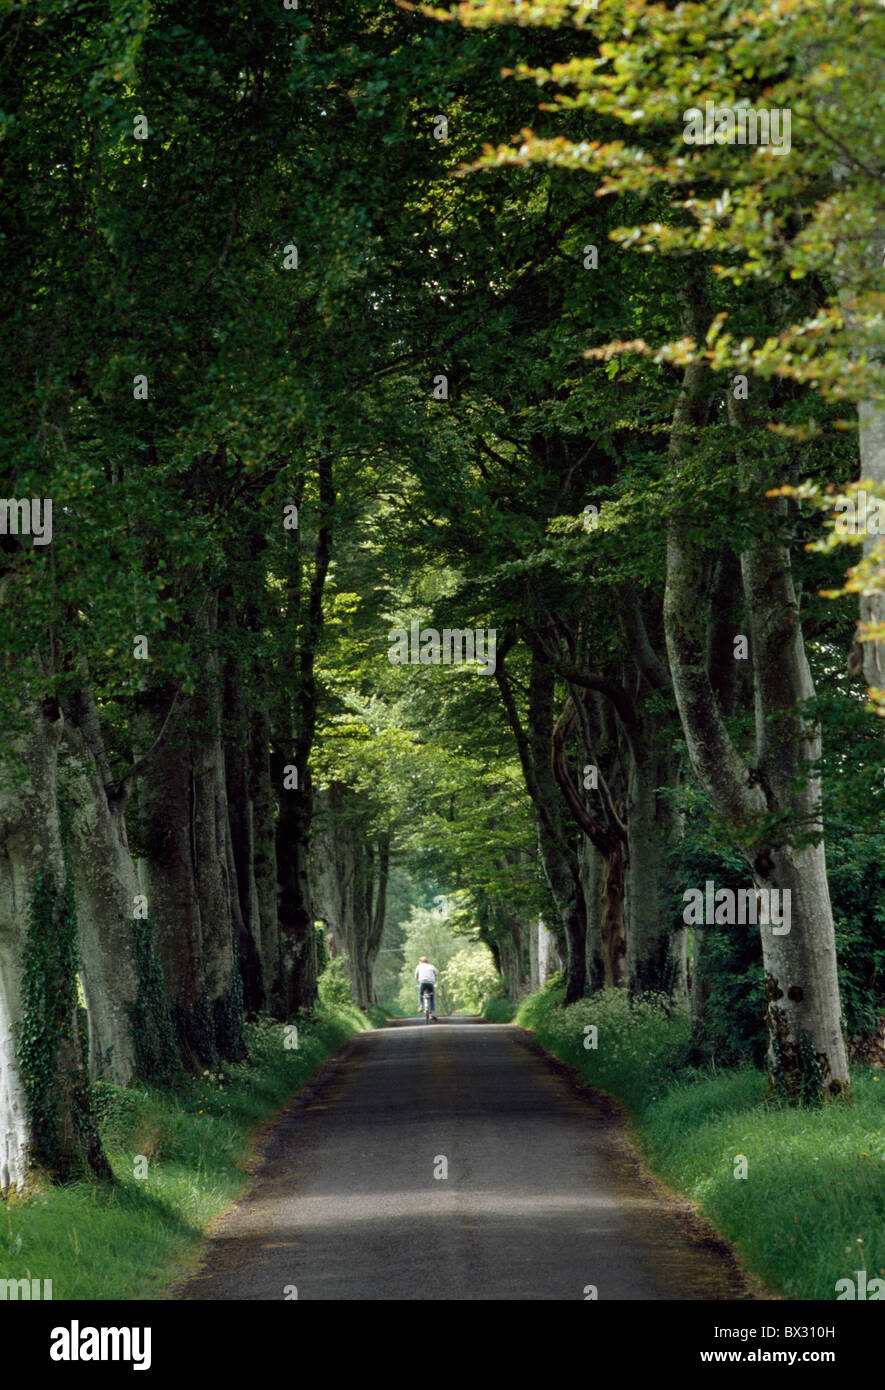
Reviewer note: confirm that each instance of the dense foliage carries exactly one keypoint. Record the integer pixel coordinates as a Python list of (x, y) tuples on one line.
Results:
[(336, 337)]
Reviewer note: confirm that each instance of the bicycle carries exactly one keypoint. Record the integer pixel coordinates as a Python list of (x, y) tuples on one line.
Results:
[(425, 1005)]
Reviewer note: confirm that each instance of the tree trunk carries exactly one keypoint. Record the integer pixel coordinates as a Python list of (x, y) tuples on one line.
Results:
[(608, 836), (650, 962), (534, 974), (247, 916), (700, 987), (803, 1006), (611, 715), (215, 884), (167, 874), (378, 911), (613, 932), (645, 747), (510, 939), (130, 1028), (858, 262), (188, 870), (106, 891), (297, 937), (592, 871), (558, 856), (296, 918), (264, 864), (13, 1114), (45, 1112), (806, 1049), (349, 886), (871, 419)]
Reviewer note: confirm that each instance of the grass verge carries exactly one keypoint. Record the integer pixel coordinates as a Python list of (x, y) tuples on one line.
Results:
[(811, 1209), (499, 1010), (192, 1147)]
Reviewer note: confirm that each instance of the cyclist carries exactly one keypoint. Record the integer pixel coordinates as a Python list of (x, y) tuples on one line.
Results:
[(426, 975)]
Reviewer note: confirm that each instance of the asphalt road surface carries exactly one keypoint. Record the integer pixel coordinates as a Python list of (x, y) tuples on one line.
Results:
[(455, 1161)]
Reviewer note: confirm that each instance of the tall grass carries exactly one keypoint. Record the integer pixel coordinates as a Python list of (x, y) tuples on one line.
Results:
[(498, 1010)]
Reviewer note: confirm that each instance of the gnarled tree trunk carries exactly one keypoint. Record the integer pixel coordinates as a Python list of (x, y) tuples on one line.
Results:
[(608, 836), (806, 1048)]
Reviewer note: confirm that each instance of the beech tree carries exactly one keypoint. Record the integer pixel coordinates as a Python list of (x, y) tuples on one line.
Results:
[(765, 217), (271, 397)]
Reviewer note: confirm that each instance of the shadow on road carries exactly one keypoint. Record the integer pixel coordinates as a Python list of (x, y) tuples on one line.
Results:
[(453, 1020), (464, 1140)]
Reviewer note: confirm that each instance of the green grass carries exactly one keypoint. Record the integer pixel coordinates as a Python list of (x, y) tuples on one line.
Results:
[(499, 1010), (378, 1014), (812, 1207), (101, 1242)]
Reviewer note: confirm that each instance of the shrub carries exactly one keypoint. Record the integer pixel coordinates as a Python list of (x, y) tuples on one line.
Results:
[(470, 978), (334, 986), (640, 1043), (499, 1010)]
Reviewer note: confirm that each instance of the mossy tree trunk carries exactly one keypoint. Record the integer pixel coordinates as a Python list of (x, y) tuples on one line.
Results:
[(45, 1114)]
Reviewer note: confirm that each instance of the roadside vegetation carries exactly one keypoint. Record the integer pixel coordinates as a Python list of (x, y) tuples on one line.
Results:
[(810, 1209), (179, 1158)]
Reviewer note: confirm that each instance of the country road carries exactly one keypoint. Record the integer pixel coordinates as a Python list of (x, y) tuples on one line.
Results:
[(541, 1197)]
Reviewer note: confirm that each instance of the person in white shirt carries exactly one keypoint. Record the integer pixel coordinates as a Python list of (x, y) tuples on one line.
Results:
[(426, 975)]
